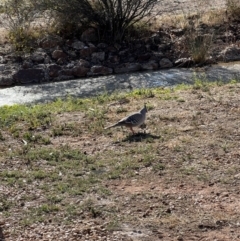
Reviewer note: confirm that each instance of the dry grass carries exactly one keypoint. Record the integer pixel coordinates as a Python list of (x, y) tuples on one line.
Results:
[(63, 175)]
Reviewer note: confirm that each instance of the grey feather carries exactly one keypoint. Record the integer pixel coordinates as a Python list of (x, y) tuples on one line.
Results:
[(133, 120)]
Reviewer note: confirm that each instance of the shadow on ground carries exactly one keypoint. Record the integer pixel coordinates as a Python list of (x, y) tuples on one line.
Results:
[(138, 137)]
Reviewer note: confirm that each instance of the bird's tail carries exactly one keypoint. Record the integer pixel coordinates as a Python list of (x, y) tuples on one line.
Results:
[(108, 127)]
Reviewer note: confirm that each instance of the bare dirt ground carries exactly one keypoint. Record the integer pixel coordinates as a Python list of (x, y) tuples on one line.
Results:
[(189, 6), (178, 181)]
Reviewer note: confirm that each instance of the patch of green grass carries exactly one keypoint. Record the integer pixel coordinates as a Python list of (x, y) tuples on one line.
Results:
[(146, 93), (36, 138)]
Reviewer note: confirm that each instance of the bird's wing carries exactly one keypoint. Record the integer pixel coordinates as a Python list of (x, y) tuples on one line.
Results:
[(133, 119)]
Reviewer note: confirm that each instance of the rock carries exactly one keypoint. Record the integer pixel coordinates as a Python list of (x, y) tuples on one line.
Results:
[(102, 46), (90, 35), (87, 52), (27, 64), (151, 65), (61, 61), (164, 47), (63, 77), (2, 67), (98, 57), (72, 54), (231, 53), (53, 70), (38, 57), (80, 71), (47, 60), (6, 79), (66, 72), (144, 57), (84, 63), (78, 45), (128, 67), (50, 42), (57, 54), (100, 70), (2, 60), (165, 63), (27, 76), (114, 59)]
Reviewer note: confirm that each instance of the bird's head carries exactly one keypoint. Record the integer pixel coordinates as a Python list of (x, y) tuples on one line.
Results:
[(144, 109)]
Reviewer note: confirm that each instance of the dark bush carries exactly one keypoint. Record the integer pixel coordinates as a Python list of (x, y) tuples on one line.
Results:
[(112, 18)]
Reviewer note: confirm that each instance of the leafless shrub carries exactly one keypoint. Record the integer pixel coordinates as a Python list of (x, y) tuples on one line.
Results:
[(112, 18), (19, 18)]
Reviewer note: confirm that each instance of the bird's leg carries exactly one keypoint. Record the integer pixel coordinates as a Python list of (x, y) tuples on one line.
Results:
[(132, 130)]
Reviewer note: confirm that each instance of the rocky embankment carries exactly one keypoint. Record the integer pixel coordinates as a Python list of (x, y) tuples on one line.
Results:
[(57, 59)]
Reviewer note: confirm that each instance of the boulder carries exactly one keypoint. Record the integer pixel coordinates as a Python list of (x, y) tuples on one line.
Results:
[(102, 46), (6, 76), (27, 76), (89, 35), (87, 52), (230, 53), (6, 80), (57, 54), (84, 63), (78, 45), (98, 57), (165, 63), (38, 57), (27, 64), (53, 70), (127, 67), (144, 57), (151, 65), (2, 67), (99, 70), (80, 71)]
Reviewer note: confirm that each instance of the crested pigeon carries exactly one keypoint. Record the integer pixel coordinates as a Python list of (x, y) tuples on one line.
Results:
[(134, 120)]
